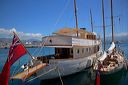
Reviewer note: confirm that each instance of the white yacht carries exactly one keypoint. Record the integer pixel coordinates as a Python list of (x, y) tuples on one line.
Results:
[(75, 50), (72, 54)]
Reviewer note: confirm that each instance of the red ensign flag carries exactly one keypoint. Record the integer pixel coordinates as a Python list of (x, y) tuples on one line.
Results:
[(15, 52)]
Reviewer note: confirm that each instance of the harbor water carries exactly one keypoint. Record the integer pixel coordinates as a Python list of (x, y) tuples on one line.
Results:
[(85, 77)]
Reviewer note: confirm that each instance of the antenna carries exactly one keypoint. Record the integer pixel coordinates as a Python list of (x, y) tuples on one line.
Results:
[(76, 17)]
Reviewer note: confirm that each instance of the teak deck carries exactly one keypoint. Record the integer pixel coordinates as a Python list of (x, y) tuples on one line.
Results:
[(27, 73)]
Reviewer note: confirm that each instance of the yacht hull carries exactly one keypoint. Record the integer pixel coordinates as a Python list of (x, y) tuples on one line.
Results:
[(64, 67)]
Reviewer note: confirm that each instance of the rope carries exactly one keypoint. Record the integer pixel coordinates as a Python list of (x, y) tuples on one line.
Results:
[(16, 72), (36, 51), (15, 69), (27, 71), (60, 77), (42, 46), (39, 51), (41, 75)]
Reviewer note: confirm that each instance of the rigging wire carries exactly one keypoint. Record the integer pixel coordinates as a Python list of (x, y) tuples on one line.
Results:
[(39, 49), (41, 75), (60, 76), (42, 46), (16, 70), (62, 12), (35, 51)]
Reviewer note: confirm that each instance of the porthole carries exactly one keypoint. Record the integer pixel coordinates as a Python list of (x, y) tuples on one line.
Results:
[(50, 41)]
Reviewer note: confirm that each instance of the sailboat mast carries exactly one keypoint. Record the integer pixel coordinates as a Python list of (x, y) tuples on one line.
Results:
[(91, 20), (103, 24), (112, 22), (76, 17)]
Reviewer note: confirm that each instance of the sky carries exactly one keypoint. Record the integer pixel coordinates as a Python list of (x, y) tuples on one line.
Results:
[(36, 18)]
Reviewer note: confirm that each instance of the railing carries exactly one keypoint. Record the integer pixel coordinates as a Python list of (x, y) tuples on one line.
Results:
[(69, 41)]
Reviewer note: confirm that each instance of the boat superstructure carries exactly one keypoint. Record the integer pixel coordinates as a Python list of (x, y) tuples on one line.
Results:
[(72, 54)]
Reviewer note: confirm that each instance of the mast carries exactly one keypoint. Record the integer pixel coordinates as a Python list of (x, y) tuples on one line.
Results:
[(76, 17), (91, 20), (112, 22), (103, 24)]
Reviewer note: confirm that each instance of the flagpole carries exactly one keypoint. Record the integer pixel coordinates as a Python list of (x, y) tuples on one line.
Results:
[(23, 45)]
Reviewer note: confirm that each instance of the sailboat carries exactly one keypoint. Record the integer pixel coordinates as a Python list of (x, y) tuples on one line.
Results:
[(113, 59), (75, 50)]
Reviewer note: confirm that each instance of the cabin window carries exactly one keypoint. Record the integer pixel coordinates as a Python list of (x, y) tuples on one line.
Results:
[(87, 36), (63, 53), (78, 51), (86, 49), (71, 51), (89, 49), (95, 49), (83, 50), (98, 48)]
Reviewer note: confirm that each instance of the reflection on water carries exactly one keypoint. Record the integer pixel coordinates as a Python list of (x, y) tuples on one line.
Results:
[(86, 77), (114, 79)]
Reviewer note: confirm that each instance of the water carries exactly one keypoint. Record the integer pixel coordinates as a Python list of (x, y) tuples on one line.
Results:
[(85, 77)]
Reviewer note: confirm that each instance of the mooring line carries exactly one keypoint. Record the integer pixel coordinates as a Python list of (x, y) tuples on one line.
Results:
[(41, 75), (60, 76)]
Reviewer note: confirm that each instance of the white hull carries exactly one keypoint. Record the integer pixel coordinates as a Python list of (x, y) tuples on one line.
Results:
[(65, 67)]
